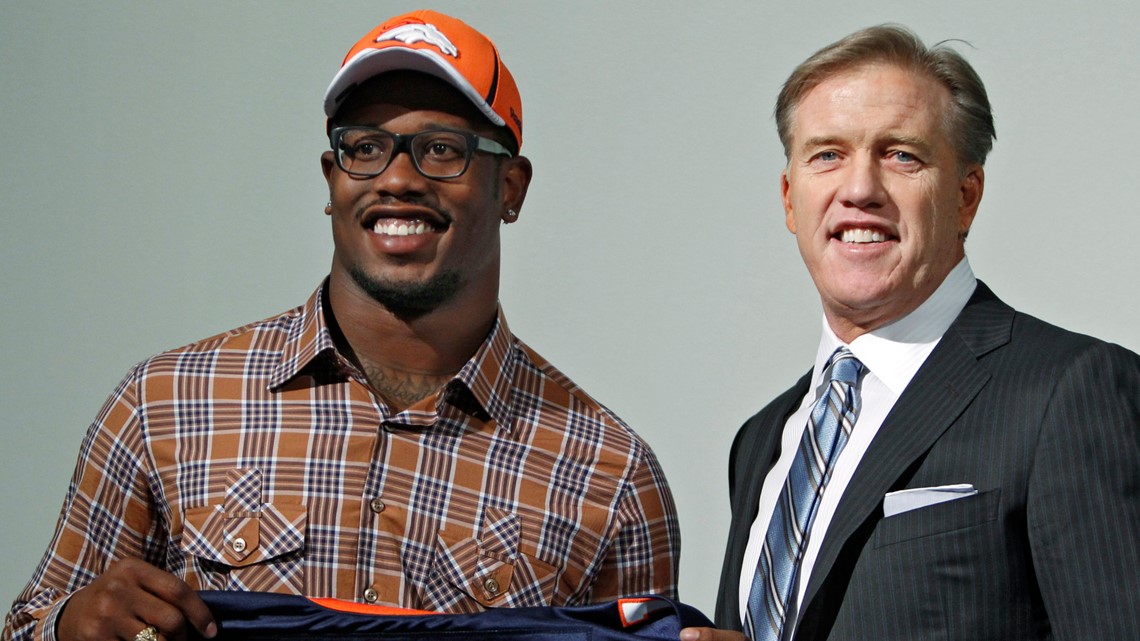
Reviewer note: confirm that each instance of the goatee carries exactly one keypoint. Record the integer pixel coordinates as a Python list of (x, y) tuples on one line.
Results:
[(409, 299)]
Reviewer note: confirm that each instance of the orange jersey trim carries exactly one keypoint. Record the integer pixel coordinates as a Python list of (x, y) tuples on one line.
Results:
[(340, 605)]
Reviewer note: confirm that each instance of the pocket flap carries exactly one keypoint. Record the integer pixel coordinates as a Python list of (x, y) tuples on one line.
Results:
[(491, 570), (483, 573), (243, 530)]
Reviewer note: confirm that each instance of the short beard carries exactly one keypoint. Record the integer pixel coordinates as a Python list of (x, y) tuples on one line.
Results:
[(406, 299)]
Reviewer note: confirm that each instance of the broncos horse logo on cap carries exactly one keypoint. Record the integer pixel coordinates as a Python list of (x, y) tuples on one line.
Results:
[(424, 32)]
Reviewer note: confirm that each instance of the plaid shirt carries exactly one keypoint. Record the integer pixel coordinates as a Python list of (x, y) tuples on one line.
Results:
[(260, 459)]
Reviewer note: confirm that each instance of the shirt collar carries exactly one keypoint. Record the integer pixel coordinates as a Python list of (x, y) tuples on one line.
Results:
[(895, 351), (307, 337), (488, 375)]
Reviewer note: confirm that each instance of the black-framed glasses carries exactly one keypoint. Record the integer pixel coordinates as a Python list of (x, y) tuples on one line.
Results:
[(364, 152)]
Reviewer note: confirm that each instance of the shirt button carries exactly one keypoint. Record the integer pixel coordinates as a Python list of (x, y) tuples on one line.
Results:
[(491, 586), (371, 595), (238, 545), (377, 505)]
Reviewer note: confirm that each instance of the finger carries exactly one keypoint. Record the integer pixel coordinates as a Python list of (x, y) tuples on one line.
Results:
[(690, 634), (711, 634), (695, 634), (146, 594), (177, 605), (166, 617), (144, 633), (103, 610)]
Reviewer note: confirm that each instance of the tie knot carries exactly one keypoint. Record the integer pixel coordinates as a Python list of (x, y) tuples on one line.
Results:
[(845, 368)]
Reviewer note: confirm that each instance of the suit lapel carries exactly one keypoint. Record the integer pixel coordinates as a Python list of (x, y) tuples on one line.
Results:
[(758, 454), (941, 390), (757, 448)]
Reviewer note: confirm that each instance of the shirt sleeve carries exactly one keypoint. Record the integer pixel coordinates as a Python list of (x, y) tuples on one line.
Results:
[(106, 515), (647, 542)]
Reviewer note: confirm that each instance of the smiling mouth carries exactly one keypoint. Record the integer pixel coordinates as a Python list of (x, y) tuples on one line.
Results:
[(401, 227), (861, 236)]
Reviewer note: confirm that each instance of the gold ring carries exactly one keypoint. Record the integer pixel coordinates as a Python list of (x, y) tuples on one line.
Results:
[(149, 633)]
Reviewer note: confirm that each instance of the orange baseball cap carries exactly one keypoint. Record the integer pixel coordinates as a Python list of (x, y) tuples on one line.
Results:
[(445, 47)]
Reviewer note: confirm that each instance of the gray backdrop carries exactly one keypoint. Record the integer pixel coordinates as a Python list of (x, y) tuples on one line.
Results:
[(160, 183)]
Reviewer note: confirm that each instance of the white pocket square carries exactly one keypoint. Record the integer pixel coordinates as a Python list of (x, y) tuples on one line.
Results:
[(907, 500)]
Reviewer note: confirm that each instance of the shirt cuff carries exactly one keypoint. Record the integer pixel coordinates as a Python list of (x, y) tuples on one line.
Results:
[(45, 629)]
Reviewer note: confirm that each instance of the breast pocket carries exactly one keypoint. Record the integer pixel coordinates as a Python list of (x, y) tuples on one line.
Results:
[(246, 543), (939, 518), (942, 568), (490, 569)]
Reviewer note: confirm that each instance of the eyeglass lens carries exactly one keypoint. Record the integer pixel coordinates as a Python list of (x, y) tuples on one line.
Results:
[(437, 154)]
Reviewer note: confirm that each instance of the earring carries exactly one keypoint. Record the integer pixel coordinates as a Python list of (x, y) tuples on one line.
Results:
[(328, 207), (512, 215)]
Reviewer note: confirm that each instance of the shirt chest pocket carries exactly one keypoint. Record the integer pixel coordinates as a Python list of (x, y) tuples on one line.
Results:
[(246, 543), (490, 569)]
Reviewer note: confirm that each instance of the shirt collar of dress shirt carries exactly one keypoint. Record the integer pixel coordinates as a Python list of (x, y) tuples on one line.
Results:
[(488, 375), (895, 351)]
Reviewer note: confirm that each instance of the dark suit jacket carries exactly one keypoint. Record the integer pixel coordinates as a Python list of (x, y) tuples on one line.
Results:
[(1046, 425)]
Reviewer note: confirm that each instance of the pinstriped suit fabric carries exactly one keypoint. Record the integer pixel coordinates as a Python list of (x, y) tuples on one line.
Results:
[(1046, 425)]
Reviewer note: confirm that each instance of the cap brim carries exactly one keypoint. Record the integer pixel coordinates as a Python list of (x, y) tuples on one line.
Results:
[(373, 62)]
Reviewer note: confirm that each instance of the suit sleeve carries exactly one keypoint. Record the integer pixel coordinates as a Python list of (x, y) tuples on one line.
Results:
[(1083, 507)]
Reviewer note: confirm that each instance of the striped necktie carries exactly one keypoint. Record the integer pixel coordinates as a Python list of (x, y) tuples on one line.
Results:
[(827, 432)]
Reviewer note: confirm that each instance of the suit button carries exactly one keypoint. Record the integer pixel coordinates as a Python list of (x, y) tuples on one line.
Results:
[(377, 505), (371, 595)]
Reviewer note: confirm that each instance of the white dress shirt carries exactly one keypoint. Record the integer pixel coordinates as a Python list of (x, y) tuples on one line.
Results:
[(891, 356)]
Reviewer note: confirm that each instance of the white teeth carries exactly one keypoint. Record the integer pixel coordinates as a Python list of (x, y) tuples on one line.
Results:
[(862, 236), (400, 228)]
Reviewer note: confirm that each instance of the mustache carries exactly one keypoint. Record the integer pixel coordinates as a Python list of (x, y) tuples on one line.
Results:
[(443, 214)]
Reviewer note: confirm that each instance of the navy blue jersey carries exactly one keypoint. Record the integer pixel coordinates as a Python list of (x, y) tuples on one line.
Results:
[(260, 616)]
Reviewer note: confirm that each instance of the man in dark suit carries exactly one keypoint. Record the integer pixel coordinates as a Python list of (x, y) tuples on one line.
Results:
[(987, 482)]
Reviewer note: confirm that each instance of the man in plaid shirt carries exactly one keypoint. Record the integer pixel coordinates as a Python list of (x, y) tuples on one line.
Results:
[(389, 441)]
